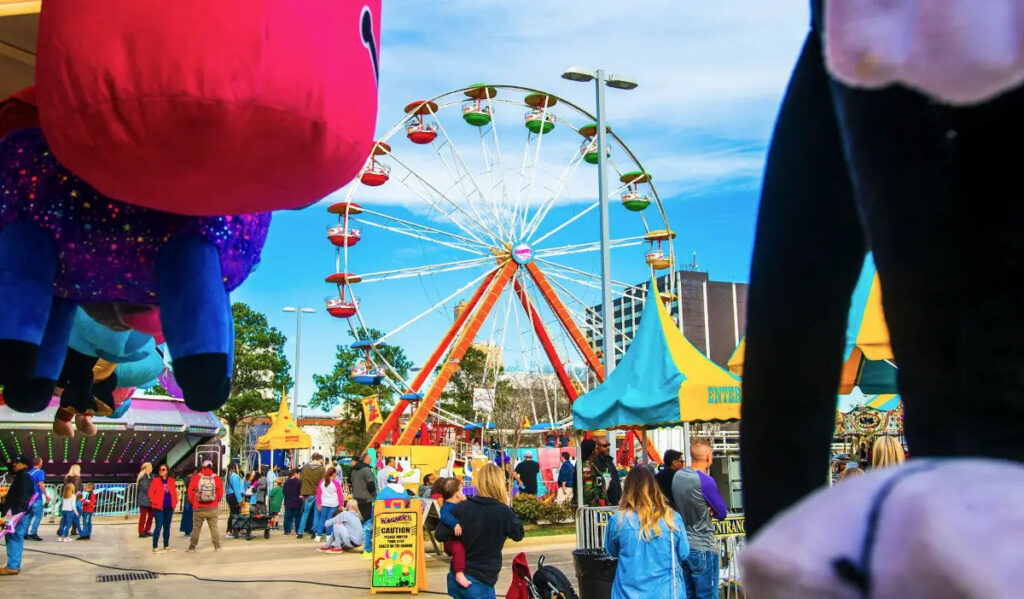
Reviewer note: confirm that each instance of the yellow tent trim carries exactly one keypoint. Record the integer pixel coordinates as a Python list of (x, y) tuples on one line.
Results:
[(283, 432)]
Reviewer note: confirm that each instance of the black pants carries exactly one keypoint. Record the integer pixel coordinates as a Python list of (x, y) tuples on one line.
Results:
[(935, 189), (365, 509), (234, 508)]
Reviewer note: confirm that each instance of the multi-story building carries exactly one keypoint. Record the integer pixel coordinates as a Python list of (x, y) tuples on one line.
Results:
[(711, 314)]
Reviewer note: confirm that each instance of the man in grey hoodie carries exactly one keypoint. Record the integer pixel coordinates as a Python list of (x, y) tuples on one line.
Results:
[(364, 488)]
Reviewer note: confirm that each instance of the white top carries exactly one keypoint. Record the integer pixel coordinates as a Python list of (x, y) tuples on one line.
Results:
[(329, 496), (67, 504)]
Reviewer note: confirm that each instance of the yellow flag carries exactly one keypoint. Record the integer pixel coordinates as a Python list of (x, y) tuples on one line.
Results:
[(371, 411)]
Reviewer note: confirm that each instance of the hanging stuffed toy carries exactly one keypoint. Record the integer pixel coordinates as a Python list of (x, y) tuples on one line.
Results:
[(88, 381), (197, 117)]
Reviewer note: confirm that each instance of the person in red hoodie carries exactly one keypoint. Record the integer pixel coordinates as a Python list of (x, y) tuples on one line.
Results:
[(205, 490), (88, 509), (163, 497)]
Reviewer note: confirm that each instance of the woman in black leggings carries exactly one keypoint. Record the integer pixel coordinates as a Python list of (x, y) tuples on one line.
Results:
[(932, 190)]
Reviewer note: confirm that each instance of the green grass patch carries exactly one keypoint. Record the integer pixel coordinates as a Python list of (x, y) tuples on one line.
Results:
[(549, 530)]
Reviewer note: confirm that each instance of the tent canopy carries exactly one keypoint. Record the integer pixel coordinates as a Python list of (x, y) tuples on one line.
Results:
[(283, 432), (663, 380), (868, 357)]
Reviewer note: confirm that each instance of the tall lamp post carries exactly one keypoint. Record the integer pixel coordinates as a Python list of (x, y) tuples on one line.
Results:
[(584, 75), (298, 341)]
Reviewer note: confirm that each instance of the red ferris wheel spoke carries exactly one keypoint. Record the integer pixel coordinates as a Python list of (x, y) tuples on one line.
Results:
[(545, 341), (568, 323)]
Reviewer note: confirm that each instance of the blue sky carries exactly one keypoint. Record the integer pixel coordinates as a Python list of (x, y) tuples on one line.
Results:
[(710, 76)]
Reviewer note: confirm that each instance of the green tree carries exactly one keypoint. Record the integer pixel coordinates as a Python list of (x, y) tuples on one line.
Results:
[(260, 370), (457, 396), (338, 388)]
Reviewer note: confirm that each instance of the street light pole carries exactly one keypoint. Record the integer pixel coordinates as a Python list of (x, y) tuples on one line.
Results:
[(298, 342), (608, 344), (617, 81)]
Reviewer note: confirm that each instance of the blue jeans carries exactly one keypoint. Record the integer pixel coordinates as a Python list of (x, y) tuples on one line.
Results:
[(85, 530), (291, 519), (308, 509), (186, 519), (477, 590), (35, 516), (15, 544), (368, 535), (66, 518), (700, 574), (323, 516), (162, 521)]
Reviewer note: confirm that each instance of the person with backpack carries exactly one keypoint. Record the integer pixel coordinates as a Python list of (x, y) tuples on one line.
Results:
[(205, 491)]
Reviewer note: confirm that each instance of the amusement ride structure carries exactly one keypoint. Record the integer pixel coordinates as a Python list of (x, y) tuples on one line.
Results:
[(485, 220)]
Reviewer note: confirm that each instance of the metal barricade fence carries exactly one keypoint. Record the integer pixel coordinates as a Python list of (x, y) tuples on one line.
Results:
[(591, 523), (112, 499)]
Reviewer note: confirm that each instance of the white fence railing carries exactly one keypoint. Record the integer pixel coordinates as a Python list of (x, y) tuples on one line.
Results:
[(591, 523), (112, 499)]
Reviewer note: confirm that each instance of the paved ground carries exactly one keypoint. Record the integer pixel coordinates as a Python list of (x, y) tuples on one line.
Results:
[(115, 542)]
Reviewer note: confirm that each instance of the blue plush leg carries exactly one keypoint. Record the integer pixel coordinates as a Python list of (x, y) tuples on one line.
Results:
[(34, 396), (195, 313), (28, 267)]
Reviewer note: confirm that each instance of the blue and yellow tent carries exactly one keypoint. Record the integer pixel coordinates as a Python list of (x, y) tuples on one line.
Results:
[(663, 380), (868, 362)]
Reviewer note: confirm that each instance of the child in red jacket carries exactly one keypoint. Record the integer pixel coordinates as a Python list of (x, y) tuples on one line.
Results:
[(88, 509)]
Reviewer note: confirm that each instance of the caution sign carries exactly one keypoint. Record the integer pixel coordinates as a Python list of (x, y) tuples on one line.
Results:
[(399, 563), (730, 527)]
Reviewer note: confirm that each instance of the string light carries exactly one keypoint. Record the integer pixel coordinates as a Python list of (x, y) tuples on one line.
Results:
[(32, 440), (67, 442), (17, 444), (81, 449), (96, 449), (49, 447), (111, 451), (7, 456)]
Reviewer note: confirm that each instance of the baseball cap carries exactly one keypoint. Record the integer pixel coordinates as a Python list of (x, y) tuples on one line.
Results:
[(671, 455), (207, 463), (529, 454), (21, 459)]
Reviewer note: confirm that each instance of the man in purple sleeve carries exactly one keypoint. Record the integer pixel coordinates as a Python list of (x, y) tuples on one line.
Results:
[(697, 499)]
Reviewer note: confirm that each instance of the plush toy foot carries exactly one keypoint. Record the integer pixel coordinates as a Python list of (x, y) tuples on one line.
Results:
[(202, 380), (62, 422), (33, 396), (103, 392), (76, 380), (83, 422), (17, 361)]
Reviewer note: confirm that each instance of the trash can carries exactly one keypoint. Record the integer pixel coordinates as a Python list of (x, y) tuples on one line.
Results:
[(595, 573)]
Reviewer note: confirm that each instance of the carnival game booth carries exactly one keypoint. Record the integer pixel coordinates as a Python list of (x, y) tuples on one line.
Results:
[(661, 381), (869, 360), (156, 429)]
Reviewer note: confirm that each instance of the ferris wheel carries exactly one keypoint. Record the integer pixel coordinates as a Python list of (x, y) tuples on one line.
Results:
[(489, 192)]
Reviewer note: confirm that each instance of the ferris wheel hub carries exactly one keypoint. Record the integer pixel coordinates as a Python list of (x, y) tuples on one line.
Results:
[(522, 254)]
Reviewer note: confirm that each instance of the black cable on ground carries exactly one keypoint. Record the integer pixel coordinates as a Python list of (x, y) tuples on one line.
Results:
[(204, 579)]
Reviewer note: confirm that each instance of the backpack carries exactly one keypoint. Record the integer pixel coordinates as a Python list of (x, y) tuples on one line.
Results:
[(206, 490)]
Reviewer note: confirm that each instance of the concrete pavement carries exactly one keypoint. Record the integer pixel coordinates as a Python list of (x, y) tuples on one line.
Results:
[(115, 542)]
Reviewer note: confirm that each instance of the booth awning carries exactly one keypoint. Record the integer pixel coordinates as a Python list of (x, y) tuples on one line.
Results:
[(663, 380), (283, 432)]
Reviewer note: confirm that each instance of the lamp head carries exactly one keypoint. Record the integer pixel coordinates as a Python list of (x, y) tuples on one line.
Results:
[(577, 73)]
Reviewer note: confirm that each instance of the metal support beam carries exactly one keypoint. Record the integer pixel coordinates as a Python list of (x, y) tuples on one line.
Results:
[(465, 339), (556, 305), (391, 424)]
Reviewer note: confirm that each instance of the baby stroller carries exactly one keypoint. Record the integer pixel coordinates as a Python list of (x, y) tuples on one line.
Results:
[(547, 583), (251, 517)]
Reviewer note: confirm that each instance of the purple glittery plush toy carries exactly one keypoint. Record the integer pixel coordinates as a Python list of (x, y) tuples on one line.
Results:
[(63, 244)]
